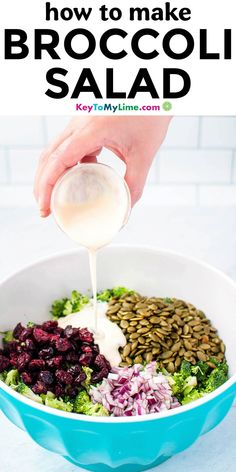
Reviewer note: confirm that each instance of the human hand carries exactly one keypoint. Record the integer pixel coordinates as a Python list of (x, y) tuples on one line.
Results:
[(135, 140)]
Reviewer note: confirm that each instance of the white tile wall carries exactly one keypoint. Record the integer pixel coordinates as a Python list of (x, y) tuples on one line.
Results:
[(22, 164), (217, 195), (195, 166), (21, 131), (183, 133), (217, 131), (3, 167)]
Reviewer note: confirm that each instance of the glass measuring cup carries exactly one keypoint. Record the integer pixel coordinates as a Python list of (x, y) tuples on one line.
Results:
[(91, 203)]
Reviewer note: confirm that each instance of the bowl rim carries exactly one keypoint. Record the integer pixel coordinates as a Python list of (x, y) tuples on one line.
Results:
[(124, 419)]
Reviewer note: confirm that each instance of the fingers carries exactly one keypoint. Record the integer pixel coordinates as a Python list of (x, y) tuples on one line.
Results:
[(71, 151), (135, 177)]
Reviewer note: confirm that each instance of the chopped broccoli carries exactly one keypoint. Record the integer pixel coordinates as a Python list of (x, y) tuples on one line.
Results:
[(87, 381), (30, 324), (195, 394), (12, 378), (182, 385), (58, 403), (84, 405), (117, 292), (7, 336), (201, 370), (3, 376), (192, 382), (168, 300), (217, 377), (97, 409), (66, 306), (185, 369), (27, 392)]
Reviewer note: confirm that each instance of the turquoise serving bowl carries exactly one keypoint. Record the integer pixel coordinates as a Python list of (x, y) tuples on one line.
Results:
[(128, 444)]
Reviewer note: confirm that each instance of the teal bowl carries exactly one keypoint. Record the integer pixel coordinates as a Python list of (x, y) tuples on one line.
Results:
[(128, 444)]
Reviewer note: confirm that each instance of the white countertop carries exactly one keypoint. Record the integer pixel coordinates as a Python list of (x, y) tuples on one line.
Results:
[(207, 233)]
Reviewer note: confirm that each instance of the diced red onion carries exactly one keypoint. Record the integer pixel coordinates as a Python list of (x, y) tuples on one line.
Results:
[(135, 390)]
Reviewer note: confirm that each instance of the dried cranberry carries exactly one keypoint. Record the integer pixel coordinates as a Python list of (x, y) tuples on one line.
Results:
[(68, 331), (41, 336), (36, 364), (13, 359), (74, 369), (4, 363), (53, 338), (85, 336), (72, 357), (46, 353), (46, 377), (63, 345), (26, 378), (54, 362), (11, 346), (85, 359), (98, 376), (59, 390), (20, 348), (72, 392), (25, 334), (96, 349), (80, 378), (29, 345), (17, 330), (49, 326), (39, 388), (23, 360), (101, 362), (76, 334), (85, 348), (58, 331), (64, 377)]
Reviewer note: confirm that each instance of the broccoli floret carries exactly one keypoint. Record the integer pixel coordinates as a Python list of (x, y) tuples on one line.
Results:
[(66, 306), (201, 370), (185, 369), (87, 382), (12, 378), (7, 336), (189, 385), (217, 377), (84, 405), (3, 376), (82, 401), (117, 292), (30, 324), (183, 382), (58, 403), (27, 392), (97, 409), (195, 394), (168, 300)]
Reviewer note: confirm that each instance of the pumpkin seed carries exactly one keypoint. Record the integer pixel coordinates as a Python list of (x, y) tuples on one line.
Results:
[(164, 329), (126, 350), (201, 356)]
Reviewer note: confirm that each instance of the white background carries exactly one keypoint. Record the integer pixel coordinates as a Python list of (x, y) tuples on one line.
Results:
[(23, 82)]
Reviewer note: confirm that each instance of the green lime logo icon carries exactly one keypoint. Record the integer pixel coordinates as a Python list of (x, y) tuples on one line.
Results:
[(167, 106)]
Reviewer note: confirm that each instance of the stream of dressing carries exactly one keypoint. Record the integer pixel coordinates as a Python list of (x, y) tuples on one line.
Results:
[(92, 222)]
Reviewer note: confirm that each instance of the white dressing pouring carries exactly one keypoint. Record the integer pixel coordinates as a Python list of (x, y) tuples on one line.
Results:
[(91, 203)]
